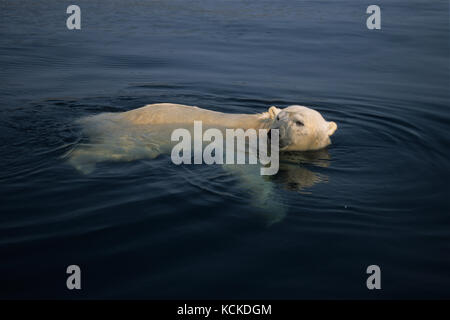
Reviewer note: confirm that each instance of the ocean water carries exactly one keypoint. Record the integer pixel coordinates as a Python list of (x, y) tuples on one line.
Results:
[(378, 195)]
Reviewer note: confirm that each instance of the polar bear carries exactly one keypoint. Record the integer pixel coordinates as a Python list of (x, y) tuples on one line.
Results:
[(145, 132), (301, 128)]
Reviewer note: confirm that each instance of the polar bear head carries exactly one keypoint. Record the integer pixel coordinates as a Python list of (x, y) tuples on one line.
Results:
[(301, 128)]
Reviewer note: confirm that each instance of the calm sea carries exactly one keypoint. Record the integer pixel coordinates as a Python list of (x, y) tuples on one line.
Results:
[(149, 229)]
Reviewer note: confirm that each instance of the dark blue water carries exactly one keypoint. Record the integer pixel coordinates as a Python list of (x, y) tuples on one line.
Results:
[(149, 229)]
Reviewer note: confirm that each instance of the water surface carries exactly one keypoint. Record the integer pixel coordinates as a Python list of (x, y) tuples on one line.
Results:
[(150, 229)]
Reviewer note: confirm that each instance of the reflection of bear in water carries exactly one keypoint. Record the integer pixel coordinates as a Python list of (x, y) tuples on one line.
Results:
[(295, 177), (292, 176)]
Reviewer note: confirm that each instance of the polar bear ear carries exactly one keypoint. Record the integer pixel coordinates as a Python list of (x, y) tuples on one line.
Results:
[(273, 111), (332, 126)]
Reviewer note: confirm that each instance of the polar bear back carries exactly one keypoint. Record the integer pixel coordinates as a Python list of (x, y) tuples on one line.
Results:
[(169, 113)]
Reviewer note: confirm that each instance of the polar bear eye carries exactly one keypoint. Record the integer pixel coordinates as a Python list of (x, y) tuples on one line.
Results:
[(299, 123), (278, 118)]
